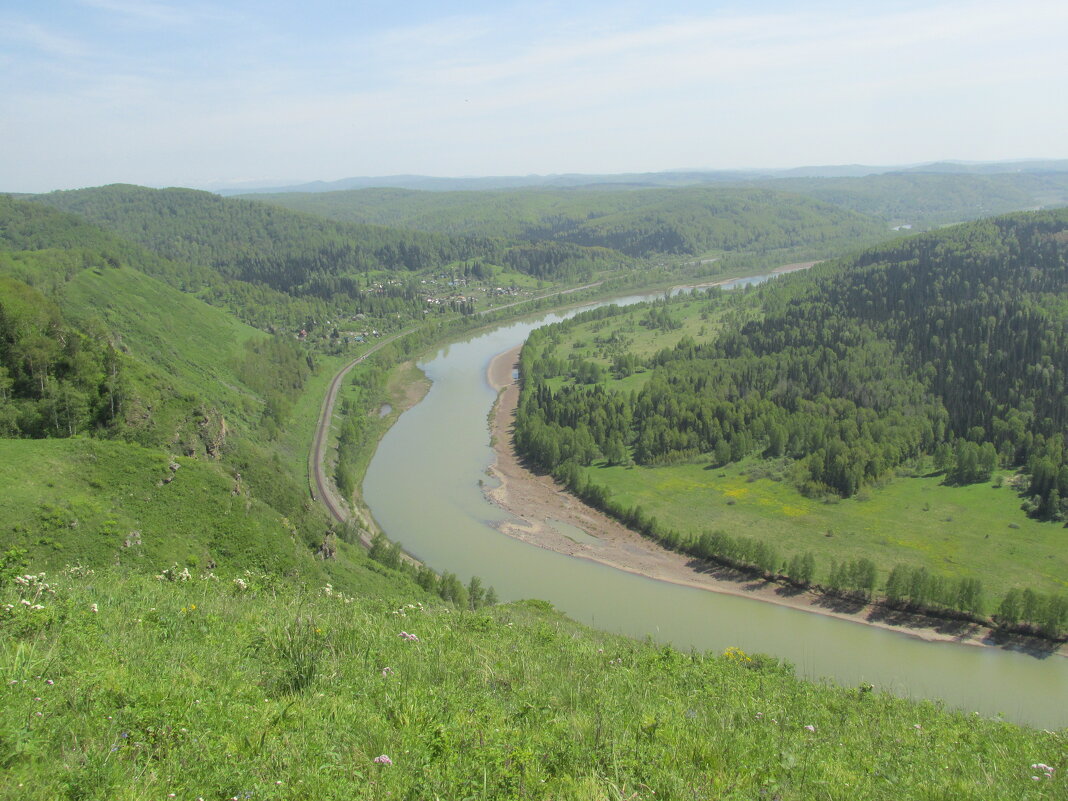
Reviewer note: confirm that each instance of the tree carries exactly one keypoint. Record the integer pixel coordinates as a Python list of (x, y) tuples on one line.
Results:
[(476, 596), (897, 585), (1009, 608)]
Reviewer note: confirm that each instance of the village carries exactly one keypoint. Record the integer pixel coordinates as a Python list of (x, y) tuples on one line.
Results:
[(443, 293)]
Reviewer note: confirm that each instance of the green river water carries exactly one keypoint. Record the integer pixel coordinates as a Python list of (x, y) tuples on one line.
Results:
[(423, 488)]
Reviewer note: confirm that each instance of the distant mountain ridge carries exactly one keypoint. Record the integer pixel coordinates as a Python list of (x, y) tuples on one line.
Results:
[(680, 177)]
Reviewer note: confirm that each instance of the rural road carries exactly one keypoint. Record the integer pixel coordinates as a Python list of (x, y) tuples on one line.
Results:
[(323, 489)]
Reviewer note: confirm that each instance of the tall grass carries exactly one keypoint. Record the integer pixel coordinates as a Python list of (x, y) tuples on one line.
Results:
[(128, 687)]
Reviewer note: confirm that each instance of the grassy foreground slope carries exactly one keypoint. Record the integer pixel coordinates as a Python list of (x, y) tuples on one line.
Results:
[(216, 687)]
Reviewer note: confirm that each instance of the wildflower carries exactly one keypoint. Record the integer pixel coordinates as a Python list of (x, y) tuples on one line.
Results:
[(736, 654), (49, 682), (387, 671), (409, 637), (810, 727), (383, 760)]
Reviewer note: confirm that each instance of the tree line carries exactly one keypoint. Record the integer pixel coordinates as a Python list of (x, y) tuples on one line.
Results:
[(950, 345)]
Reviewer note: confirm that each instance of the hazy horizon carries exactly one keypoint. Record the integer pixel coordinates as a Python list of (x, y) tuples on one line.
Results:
[(165, 94)]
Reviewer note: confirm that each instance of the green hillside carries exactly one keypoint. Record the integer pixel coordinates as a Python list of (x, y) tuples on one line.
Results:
[(941, 355), (691, 219), (253, 241), (642, 222), (295, 253), (122, 686), (929, 200), (178, 618), (108, 377)]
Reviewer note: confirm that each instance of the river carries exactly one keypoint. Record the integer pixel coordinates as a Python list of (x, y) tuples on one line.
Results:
[(423, 487)]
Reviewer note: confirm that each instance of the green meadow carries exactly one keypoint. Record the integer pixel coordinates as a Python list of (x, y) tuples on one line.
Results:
[(242, 685), (976, 530)]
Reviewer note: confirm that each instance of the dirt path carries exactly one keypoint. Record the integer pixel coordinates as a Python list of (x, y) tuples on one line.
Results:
[(537, 500)]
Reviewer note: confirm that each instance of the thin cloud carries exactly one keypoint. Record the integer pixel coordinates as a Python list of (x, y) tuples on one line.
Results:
[(703, 48), (43, 40), (516, 89), (154, 13)]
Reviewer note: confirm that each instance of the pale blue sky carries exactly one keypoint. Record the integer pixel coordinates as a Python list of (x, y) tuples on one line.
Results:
[(169, 92)]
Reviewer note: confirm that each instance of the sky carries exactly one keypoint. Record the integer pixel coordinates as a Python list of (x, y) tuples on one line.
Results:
[(195, 93)]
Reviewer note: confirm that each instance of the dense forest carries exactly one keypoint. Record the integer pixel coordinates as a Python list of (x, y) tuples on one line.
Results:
[(635, 222), (290, 252), (925, 200), (645, 217), (952, 345), (254, 242), (948, 349)]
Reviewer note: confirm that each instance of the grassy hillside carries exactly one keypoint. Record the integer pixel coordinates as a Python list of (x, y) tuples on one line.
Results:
[(178, 618), (102, 503), (126, 687), (162, 416)]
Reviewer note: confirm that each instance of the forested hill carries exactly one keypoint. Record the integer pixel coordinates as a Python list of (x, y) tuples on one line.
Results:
[(928, 200), (29, 226), (253, 242), (953, 344), (92, 342), (636, 222)]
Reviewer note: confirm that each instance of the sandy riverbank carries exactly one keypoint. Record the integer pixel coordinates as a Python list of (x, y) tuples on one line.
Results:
[(536, 500)]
